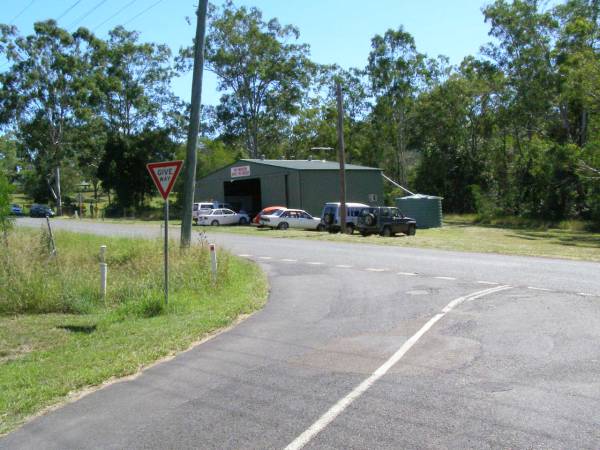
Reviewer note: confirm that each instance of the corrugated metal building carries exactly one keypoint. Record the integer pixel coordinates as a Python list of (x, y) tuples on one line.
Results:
[(252, 184)]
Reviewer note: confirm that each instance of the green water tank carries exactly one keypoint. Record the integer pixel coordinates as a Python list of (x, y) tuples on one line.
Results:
[(425, 209)]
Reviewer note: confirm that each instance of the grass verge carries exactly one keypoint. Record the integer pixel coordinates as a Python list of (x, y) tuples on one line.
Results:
[(57, 336)]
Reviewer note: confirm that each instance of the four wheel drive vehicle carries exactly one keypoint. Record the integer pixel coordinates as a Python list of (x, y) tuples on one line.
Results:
[(16, 210), (222, 216), (291, 218), (269, 210), (200, 207), (385, 221), (40, 211), (331, 216)]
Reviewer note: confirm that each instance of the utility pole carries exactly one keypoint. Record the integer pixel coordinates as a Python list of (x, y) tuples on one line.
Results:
[(58, 194), (194, 126), (341, 155)]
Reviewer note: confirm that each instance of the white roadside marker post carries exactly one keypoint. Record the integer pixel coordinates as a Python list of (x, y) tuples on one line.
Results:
[(213, 261), (103, 272)]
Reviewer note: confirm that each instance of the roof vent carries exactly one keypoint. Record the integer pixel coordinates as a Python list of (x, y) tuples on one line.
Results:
[(310, 157), (262, 157)]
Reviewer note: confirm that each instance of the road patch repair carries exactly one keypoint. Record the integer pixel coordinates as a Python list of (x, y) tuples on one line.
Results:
[(343, 403)]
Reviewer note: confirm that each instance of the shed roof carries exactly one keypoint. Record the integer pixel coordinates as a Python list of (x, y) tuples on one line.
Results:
[(305, 164)]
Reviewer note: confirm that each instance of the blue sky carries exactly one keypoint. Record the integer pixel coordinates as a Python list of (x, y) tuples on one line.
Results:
[(338, 31)]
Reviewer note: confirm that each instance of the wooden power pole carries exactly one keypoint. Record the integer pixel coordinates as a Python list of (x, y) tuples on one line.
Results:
[(341, 155), (194, 127)]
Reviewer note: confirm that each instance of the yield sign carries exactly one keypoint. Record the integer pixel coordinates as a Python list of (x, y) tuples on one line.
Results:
[(164, 174)]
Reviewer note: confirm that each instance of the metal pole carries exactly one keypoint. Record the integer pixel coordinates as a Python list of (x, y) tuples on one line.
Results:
[(194, 127), (342, 156), (166, 251)]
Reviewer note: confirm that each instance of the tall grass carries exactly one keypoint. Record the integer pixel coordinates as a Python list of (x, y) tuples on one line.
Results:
[(32, 281)]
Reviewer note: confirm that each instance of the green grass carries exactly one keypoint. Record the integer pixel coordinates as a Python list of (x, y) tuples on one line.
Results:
[(59, 337)]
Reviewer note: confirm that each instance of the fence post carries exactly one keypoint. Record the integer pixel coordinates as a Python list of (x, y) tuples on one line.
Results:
[(213, 261), (103, 272)]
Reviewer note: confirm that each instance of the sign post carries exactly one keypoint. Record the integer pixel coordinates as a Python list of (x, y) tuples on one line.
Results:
[(164, 175)]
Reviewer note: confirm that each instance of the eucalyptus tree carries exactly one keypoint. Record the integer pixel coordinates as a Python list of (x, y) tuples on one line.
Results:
[(262, 72)]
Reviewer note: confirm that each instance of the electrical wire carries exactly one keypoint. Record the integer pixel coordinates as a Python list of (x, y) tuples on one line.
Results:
[(98, 5), (115, 14), (144, 11), (68, 9), (22, 11)]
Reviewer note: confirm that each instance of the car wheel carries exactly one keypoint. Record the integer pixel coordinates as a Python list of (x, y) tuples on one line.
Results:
[(283, 226), (412, 230), (349, 228), (386, 232), (215, 223), (370, 219), (320, 227), (243, 221), (364, 233)]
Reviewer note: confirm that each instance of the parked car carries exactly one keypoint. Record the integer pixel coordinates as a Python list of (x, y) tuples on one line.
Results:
[(200, 207), (331, 216), (386, 221), (40, 211), (266, 211), (222, 216), (292, 218), (16, 210)]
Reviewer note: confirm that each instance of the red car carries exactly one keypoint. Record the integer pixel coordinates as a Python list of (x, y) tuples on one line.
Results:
[(264, 212)]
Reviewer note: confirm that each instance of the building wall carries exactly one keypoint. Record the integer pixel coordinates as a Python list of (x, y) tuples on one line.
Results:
[(306, 189)]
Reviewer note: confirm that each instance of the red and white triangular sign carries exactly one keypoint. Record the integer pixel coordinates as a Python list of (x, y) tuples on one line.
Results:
[(164, 175)]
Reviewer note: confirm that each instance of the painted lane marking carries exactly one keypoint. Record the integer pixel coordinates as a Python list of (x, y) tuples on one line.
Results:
[(244, 255), (343, 266), (493, 283), (342, 404), (315, 263), (265, 257), (533, 288), (371, 269), (289, 260), (444, 278), (585, 294), (408, 274)]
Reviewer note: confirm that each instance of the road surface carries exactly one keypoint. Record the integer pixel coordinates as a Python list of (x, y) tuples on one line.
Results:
[(364, 346)]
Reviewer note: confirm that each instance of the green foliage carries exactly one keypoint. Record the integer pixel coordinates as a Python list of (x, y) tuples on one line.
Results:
[(5, 191)]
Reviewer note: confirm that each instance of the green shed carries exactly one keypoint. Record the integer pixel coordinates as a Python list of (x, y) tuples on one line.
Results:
[(253, 184), (425, 209)]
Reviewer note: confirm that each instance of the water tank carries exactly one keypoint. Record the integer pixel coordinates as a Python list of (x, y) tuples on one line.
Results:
[(425, 209)]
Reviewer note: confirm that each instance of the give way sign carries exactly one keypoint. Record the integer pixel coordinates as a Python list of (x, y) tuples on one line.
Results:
[(164, 174)]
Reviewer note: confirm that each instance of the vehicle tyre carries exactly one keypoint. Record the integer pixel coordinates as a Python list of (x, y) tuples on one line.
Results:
[(283, 226), (243, 221), (215, 223), (386, 232), (349, 228), (412, 230), (364, 233), (320, 227), (370, 219), (328, 218)]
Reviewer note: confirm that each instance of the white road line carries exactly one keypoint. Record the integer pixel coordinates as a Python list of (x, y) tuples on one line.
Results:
[(289, 260), (315, 263), (533, 288), (244, 255), (585, 294), (493, 283), (341, 405), (371, 269), (265, 257), (343, 266), (408, 274), (444, 278)]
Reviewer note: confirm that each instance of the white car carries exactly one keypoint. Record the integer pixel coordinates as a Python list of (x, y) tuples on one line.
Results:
[(222, 216), (292, 218)]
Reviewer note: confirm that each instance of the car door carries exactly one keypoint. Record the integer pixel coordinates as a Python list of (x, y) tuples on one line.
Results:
[(229, 217), (306, 221)]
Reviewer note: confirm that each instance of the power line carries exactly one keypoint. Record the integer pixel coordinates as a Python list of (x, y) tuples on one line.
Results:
[(115, 14), (98, 5), (22, 11), (144, 11), (68, 9)]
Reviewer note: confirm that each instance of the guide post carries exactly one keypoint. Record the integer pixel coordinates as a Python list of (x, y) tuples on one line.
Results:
[(164, 175)]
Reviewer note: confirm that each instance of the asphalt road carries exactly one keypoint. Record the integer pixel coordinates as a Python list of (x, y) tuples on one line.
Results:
[(366, 347)]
